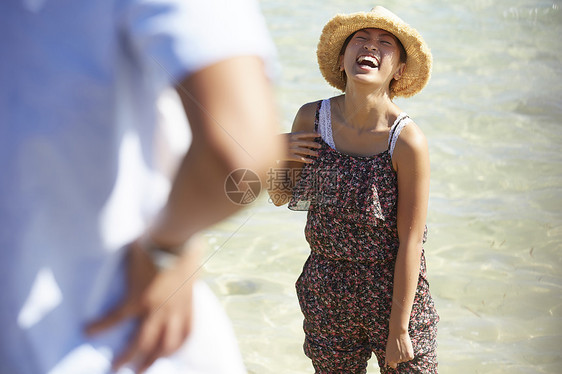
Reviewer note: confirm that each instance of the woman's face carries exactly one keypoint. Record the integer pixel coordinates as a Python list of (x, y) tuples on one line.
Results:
[(372, 56)]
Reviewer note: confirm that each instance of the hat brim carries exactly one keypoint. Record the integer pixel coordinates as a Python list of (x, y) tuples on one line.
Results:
[(419, 60)]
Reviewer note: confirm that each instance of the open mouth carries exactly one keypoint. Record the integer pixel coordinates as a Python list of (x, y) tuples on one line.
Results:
[(368, 61)]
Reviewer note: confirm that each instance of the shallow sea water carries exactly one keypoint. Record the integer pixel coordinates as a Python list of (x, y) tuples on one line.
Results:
[(492, 113)]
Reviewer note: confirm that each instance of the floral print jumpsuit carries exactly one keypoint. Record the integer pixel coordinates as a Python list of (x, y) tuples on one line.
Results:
[(345, 289)]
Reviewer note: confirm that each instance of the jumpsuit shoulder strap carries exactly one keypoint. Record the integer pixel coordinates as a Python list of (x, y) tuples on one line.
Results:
[(402, 120), (317, 117)]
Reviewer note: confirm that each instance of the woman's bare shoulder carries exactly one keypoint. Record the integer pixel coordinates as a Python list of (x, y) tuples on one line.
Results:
[(304, 120), (411, 145), (412, 137)]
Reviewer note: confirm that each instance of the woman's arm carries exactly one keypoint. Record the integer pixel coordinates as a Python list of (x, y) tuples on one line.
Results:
[(300, 147), (411, 161)]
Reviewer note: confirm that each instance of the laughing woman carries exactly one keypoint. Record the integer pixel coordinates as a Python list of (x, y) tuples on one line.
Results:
[(360, 166)]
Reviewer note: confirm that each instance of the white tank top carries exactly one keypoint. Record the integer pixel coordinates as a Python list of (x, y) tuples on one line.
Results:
[(325, 126)]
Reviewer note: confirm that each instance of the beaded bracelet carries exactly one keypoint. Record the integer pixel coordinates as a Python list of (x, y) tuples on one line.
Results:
[(162, 257)]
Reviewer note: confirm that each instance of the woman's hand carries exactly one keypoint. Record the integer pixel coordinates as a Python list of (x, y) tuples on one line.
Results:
[(301, 146), (162, 303), (398, 349)]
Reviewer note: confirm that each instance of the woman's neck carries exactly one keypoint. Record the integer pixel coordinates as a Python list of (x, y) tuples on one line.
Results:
[(367, 111)]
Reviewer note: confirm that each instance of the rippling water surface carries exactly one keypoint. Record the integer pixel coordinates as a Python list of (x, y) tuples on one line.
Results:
[(492, 113)]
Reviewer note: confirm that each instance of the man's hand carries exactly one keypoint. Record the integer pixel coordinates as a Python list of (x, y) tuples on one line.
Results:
[(161, 301)]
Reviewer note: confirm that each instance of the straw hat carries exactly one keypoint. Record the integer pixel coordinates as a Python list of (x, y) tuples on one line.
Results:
[(419, 60)]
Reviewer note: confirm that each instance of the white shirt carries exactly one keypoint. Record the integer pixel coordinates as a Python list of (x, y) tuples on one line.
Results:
[(79, 171)]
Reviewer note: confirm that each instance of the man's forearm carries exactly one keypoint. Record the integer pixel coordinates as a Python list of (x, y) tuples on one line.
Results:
[(231, 112)]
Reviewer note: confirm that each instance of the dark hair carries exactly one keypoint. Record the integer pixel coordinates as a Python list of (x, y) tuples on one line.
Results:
[(403, 55), (346, 42)]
